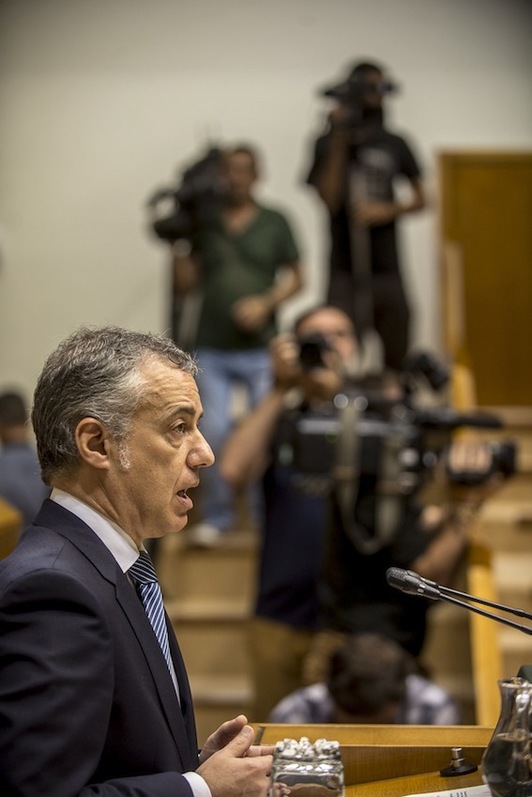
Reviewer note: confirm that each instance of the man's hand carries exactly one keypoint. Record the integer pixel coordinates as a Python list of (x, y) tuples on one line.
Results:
[(232, 765), (321, 383), (468, 467), (284, 354), (368, 213), (251, 312)]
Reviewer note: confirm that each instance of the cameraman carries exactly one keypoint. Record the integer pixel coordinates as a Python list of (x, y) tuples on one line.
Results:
[(294, 522), (355, 166), (245, 265), (299, 541)]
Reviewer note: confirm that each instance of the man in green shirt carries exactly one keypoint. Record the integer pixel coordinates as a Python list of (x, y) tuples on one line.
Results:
[(246, 265)]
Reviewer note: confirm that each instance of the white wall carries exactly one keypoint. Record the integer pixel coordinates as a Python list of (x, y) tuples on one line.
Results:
[(102, 100)]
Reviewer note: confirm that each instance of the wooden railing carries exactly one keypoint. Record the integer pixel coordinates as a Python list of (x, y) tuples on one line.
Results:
[(10, 527), (486, 658)]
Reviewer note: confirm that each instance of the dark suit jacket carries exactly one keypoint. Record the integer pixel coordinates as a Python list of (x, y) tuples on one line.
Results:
[(87, 705)]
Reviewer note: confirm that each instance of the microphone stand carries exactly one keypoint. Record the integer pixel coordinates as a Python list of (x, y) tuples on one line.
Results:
[(491, 615), (414, 584), (447, 591)]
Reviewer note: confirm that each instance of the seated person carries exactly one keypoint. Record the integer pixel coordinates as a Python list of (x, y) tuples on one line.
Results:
[(20, 474), (370, 679)]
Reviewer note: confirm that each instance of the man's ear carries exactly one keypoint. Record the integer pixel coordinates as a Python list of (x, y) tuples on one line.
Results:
[(93, 439)]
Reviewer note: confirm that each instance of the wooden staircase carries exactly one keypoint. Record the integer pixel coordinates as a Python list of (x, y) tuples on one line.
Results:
[(208, 595)]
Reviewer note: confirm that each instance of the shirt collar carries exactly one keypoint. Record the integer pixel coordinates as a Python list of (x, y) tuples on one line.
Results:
[(113, 537)]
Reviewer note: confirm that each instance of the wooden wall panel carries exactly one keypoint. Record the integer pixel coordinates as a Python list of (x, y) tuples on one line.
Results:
[(486, 228)]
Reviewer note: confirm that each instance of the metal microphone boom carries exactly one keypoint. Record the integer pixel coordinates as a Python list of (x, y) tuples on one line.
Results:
[(414, 584)]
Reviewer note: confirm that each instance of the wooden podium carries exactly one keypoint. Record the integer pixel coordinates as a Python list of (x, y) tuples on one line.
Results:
[(394, 760)]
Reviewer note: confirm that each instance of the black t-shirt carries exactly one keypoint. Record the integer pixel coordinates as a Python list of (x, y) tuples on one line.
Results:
[(310, 573), (354, 594), (295, 524), (378, 161)]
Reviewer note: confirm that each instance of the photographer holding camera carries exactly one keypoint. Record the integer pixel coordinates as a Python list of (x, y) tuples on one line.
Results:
[(312, 577), (245, 264), (355, 166)]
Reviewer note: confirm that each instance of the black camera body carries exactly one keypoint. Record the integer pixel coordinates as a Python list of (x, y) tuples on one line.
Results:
[(311, 350), (369, 433), (372, 449), (195, 201), (395, 445), (351, 94)]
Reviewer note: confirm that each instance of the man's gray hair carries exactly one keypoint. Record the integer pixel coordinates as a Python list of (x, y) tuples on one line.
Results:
[(96, 373)]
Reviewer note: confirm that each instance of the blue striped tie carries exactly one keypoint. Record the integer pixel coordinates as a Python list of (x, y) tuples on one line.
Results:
[(145, 579)]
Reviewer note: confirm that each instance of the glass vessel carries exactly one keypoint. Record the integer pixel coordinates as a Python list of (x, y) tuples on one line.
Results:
[(306, 769), (506, 763)]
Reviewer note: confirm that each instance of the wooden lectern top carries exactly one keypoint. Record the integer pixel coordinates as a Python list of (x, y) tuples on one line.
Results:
[(393, 760)]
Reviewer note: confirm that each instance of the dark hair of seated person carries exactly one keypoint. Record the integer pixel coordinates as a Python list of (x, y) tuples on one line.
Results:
[(366, 678)]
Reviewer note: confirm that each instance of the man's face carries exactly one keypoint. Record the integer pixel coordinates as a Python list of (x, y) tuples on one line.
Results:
[(239, 174), (150, 474), (372, 95)]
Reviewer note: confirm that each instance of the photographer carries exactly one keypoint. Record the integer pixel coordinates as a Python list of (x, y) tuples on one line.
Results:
[(355, 166), (299, 539), (294, 522), (245, 264)]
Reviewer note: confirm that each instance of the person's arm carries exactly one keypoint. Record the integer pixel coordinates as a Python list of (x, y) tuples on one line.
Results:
[(370, 213), (441, 558), (245, 454), (331, 157), (186, 267)]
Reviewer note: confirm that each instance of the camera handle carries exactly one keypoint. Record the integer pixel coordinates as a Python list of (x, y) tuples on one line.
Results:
[(388, 503), (361, 269)]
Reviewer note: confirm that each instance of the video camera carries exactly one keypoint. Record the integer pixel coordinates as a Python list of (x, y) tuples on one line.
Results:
[(195, 201), (353, 91), (368, 433), (372, 449)]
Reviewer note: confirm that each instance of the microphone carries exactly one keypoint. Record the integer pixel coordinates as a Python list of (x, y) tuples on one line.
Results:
[(413, 584), (409, 582)]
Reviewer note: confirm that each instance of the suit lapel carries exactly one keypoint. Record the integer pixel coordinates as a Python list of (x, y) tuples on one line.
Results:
[(134, 611), (185, 695), (88, 543)]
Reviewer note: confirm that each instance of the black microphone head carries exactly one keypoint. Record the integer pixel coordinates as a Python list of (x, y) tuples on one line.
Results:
[(409, 582), (395, 576)]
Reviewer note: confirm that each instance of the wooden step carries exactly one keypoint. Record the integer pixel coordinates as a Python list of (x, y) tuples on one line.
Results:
[(504, 525), (227, 570), (512, 572), (214, 646), (207, 610), (218, 698), (516, 650), (224, 689), (446, 650)]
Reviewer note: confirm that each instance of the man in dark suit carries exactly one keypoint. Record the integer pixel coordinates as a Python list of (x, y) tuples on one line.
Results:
[(89, 702)]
